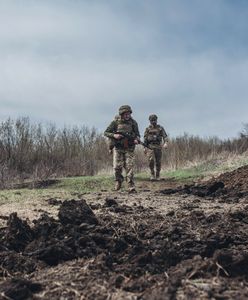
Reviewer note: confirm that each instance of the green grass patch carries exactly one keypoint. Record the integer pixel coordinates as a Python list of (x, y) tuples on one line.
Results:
[(184, 174), (75, 187), (85, 184), (207, 168), (65, 188)]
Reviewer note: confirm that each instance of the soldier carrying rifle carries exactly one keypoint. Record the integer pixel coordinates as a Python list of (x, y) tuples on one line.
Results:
[(124, 133), (156, 138)]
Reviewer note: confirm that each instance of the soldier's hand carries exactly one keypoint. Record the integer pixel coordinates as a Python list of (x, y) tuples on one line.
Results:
[(165, 145), (118, 136), (136, 141)]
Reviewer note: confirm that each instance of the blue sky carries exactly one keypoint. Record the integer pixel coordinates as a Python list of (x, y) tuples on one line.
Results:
[(75, 62)]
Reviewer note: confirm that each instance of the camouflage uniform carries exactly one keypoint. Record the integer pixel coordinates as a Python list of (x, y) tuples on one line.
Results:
[(124, 148), (154, 137), (111, 141)]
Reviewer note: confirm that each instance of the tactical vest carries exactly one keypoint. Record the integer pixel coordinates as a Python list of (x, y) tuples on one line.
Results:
[(125, 128), (154, 135)]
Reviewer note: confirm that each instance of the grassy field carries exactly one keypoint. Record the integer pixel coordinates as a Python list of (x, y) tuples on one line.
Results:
[(76, 187), (204, 170)]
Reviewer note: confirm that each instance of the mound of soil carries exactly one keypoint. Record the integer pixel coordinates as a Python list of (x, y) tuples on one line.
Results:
[(76, 212), (232, 185), (128, 250), (18, 288), (236, 182), (17, 234)]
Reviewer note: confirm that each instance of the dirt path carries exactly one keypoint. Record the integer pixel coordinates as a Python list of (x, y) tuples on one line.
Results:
[(164, 242)]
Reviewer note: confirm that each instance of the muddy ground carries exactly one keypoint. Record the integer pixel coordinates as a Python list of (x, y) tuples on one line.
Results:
[(168, 241)]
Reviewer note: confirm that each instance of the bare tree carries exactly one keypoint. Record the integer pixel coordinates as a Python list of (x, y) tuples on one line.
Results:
[(38, 151)]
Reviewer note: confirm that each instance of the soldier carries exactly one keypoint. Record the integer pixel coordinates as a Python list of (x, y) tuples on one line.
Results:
[(156, 139), (125, 134)]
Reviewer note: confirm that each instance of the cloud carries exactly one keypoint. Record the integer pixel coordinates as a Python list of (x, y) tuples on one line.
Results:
[(76, 62)]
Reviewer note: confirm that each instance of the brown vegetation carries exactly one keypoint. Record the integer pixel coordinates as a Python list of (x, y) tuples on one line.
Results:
[(38, 152)]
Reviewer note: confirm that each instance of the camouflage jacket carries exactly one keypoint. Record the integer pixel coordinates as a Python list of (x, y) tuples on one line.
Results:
[(129, 129), (155, 135)]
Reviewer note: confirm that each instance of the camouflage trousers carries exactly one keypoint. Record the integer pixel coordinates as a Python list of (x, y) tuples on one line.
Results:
[(154, 158), (123, 159)]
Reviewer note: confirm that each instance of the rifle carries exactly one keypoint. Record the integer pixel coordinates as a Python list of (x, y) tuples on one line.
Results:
[(145, 145), (130, 138)]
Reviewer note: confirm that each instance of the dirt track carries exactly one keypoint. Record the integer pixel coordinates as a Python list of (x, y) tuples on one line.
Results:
[(165, 242)]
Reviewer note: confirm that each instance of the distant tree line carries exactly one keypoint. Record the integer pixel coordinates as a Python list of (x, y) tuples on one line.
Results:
[(187, 148), (37, 152)]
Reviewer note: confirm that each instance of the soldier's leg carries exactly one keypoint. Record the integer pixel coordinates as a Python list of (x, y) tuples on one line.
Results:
[(129, 165), (118, 162), (158, 158), (150, 156)]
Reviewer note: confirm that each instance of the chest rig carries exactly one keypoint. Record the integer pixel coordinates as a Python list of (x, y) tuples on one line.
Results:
[(154, 135), (125, 128)]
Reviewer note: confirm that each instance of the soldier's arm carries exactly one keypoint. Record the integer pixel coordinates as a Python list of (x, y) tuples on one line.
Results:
[(164, 135), (165, 138), (145, 135), (111, 130), (136, 130)]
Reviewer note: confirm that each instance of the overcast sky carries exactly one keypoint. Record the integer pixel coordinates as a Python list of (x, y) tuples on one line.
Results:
[(74, 62)]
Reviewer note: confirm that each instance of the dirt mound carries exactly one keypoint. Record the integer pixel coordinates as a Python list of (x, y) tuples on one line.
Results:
[(13, 263), (127, 248), (198, 278), (232, 185), (19, 289), (17, 234), (236, 182), (76, 212)]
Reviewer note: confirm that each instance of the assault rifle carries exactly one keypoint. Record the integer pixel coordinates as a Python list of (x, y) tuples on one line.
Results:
[(130, 139)]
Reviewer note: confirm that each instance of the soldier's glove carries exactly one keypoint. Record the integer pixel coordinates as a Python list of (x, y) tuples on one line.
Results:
[(165, 145), (118, 136)]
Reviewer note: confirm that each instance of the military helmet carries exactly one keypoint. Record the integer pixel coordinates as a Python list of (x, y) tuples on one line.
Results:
[(125, 108), (153, 118)]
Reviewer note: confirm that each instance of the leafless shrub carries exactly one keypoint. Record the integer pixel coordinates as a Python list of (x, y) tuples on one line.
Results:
[(187, 149), (29, 151), (37, 152)]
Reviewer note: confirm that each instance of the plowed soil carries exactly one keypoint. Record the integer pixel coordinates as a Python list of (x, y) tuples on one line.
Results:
[(165, 242)]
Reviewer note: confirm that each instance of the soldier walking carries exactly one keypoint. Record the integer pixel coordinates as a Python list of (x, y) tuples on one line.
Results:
[(156, 139), (124, 133)]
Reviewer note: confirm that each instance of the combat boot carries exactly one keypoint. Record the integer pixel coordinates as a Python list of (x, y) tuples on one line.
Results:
[(152, 177), (131, 188), (157, 175), (117, 185)]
